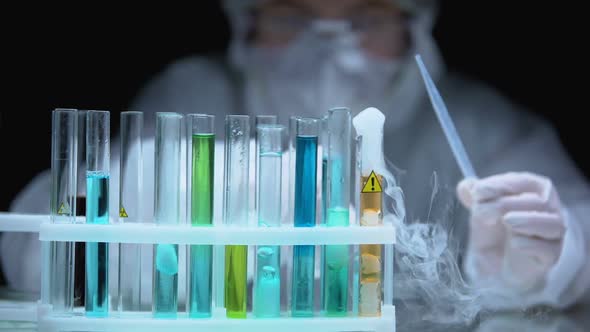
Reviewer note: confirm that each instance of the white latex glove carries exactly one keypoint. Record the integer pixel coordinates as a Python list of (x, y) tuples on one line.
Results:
[(517, 232)]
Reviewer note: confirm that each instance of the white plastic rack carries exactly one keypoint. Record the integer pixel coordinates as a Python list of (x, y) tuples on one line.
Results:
[(149, 233)]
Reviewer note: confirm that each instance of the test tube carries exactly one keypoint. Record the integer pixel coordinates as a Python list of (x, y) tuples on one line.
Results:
[(200, 159), (259, 121), (58, 286), (289, 216), (97, 211), (324, 171), (306, 148), (356, 264), (267, 294), (337, 202), (370, 288), (166, 212), (237, 153), (292, 140), (130, 178), (80, 247)]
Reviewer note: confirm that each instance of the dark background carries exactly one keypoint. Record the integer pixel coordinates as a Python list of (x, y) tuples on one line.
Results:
[(98, 58)]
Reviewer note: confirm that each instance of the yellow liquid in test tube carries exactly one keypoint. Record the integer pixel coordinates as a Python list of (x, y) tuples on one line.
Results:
[(371, 257)]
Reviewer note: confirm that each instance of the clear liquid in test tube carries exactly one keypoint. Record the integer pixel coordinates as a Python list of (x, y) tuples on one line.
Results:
[(259, 121), (267, 287), (306, 149), (200, 189), (130, 180), (97, 211), (336, 198), (166, 212), (58, 257), (236, 203)]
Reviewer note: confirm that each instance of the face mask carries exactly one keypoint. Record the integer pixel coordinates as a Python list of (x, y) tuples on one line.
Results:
[(323, 68)]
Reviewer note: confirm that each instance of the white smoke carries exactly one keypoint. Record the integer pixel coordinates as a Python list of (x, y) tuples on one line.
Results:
[(427, 276), (428, 281)]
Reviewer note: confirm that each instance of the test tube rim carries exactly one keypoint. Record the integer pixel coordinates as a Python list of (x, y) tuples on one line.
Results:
[(307, 127), (200, 116), (59, 110), (97, 111), (307, 120), (270, 126), (172, 115), (194, 129), (339, 109), (267, 116)]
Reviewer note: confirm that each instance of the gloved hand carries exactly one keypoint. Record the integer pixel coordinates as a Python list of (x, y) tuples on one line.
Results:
[(516, 230)]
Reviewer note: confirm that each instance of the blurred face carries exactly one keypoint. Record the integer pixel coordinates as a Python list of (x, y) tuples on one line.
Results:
[(379, 23)]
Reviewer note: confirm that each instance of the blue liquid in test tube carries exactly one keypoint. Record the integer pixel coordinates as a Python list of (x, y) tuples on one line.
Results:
[(302, 298), (97, 253), (97, 212)]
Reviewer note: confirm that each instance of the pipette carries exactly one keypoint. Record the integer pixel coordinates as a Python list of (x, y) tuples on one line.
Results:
[(446, 123)]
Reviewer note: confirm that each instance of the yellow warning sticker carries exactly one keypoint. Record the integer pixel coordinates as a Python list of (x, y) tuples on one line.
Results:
[(372, 185), (123, 213), (63, 209)]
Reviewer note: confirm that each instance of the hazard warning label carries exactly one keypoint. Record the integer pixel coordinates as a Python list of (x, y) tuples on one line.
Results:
[(372, 185), (123, 213)]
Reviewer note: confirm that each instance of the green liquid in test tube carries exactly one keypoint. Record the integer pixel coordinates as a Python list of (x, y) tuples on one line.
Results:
[(201, 168), (236, 203)]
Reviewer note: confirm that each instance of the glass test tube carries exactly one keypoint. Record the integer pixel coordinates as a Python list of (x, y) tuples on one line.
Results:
[(370, 287), (97, 211), (80, 247), (237, 153), (356, 267), (166, 212), (324, 196), (130, 179), (259, 121), (267, 287), (336, 175), (58, 287), (292, 141), (306, 148), (200, 188), (288, 251)]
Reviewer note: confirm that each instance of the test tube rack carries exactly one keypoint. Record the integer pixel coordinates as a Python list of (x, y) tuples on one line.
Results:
[(218, 236)]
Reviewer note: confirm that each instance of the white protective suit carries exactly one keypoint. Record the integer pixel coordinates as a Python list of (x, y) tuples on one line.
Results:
[(499, 138)]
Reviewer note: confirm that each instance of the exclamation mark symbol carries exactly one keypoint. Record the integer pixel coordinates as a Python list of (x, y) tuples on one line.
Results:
[(372, 184)]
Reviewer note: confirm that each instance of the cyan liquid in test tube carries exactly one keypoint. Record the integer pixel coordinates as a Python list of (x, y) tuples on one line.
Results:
[(267, 286), (336, 201), (58, 257), (236, 203), (130, 179), (306, 148), (166, 212), (97, 211), (201, 157)]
